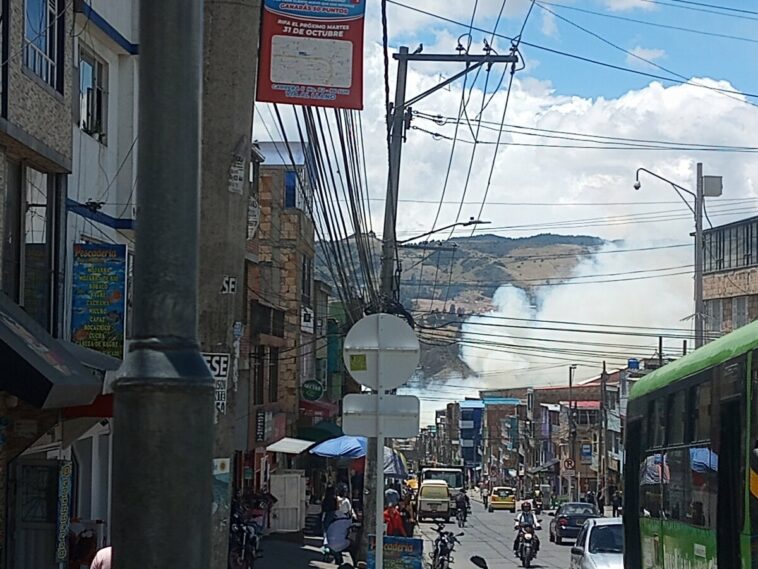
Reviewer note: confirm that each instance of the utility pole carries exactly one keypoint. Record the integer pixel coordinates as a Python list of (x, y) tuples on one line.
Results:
[(163, 404), (230, 65), (603, 462), (699, 250), (572, 433), (399, 118)]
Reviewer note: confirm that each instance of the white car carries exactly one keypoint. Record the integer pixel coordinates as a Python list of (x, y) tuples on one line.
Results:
[(599, 545)]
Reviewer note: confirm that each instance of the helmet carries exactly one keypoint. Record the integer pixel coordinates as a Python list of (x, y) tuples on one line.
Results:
[(526, 506)]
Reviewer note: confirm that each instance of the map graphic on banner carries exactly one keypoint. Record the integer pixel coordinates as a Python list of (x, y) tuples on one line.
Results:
[(312, 53), (99, 297)]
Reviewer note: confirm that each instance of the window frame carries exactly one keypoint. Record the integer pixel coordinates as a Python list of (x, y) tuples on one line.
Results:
[(47, 62), (97, 128)]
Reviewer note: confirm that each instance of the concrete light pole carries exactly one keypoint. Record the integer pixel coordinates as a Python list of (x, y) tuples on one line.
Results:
[(572, 433)]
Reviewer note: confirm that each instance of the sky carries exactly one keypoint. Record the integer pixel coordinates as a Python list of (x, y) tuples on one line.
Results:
[(536, 184)]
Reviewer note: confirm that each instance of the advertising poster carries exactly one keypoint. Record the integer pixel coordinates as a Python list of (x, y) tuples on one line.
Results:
[(98, 304), (312, 53), (399, 553), (64, 509)]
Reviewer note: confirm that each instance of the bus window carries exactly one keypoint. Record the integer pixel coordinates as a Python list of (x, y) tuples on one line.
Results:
[(676, 494), (702, 412), (676, 418), (654, 473), (704, 466), (656, 426)]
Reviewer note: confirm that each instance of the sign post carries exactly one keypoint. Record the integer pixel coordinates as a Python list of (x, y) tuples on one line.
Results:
[(381, 352)]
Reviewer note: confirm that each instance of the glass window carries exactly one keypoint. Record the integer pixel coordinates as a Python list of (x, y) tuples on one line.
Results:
[(676, 418), (273, 375), (703, 486), (290, 189), (652, 474), (43, 45), (92, 95), (581, 538), (739, 311), (37, 263), (607, 539), (702, 412), (676, 488), (713, 315), (657, 425), (739, 246)]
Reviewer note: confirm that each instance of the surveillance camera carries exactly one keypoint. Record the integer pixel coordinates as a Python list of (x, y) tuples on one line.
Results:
[(637, 185)]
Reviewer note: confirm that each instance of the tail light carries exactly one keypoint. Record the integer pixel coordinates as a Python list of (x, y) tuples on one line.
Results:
[(563, 521)]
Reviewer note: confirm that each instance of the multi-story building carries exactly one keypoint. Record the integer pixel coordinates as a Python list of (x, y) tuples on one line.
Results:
[(67, 141), (500, 435), (470, 424), (730, 268)]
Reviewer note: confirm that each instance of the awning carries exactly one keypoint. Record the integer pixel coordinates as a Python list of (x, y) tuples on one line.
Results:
[(289, 445), (36, 367), (320, 432)]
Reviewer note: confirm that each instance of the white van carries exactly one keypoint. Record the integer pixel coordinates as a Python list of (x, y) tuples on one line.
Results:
[(433, 500)]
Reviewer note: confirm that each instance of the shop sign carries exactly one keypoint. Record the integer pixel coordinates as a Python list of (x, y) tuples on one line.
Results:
[(64, 510), (399, 552), (219, 365), (260, 426), (99, 297), (311, 53), (586, 453), (312, 390)]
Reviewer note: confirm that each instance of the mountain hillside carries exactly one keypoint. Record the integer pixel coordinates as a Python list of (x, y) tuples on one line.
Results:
[(461, 275)]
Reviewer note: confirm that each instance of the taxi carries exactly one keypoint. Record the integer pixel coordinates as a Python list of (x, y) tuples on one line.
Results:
[(502, 498)]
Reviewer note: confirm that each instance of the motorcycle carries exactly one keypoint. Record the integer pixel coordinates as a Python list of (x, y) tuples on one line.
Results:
[(444, 545), (527, 546), (538, 506), (244, 543)]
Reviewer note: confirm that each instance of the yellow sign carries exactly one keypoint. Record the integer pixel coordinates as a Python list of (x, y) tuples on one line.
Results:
[(358, 362)]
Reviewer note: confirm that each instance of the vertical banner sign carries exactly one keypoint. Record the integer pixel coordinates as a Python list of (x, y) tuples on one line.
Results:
[(312, 53), (64, 510), (98, 303), (219, 366)]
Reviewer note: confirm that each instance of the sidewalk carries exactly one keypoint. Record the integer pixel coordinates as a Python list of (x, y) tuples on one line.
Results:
[(279, 552)]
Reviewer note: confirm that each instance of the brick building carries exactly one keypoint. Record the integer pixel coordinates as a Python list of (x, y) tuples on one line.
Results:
[(730, 275)]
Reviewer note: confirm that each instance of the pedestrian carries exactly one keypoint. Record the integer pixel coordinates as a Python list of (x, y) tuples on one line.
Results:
[(102, 559), (329, 506), (485, 496), (601, 503), (617, 503), (393, 520)]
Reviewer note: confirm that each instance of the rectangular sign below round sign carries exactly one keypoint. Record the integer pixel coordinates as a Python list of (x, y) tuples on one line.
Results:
[(398, 415)]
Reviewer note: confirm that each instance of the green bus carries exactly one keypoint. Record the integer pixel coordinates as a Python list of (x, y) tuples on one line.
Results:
[(690, 470)]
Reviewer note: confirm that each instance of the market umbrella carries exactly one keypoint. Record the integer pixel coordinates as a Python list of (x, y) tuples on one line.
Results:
[(341, 447)]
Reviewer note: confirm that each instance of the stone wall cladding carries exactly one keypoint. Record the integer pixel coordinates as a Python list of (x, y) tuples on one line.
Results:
[(33, 106), (728, 284)]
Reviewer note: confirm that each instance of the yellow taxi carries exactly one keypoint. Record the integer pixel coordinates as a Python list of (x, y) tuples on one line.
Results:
[(503, 498)]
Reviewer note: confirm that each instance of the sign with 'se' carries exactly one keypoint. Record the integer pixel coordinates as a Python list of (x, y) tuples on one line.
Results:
[(219, 367)]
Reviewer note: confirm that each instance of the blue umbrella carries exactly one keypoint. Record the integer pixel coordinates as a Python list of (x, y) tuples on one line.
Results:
[(341, 447)]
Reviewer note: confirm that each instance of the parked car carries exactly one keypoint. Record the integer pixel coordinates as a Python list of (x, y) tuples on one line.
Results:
[(567, 522), (600, 545), (503, 498), (434, 500)]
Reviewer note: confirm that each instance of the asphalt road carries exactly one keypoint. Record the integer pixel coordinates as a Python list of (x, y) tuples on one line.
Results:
[(491, 536)]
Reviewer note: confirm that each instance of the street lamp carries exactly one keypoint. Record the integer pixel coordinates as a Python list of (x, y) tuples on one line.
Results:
[(710, 186), (468, 223)]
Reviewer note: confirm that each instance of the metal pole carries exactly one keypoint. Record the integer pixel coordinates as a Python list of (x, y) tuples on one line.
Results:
[(604, 426), (393, 182), (163, 433), (572, 433), (699, 308)]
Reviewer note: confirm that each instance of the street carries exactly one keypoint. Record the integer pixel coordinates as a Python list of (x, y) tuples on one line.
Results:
[(491, 536)]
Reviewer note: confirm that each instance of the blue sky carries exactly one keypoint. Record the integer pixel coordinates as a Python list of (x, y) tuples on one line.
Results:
[(689, 54)]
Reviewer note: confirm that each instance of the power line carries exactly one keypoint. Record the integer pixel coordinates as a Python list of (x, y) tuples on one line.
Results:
[(583, 58), (671, 4), (647, 23), (716, 7)]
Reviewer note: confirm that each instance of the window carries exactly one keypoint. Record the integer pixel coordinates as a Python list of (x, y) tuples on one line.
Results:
[(676, 495), (273, 375), (277, 323), (653, 474), (607, 539), (676, 418), (259, 362), (713, 316), (290, 189), (656, 428), (739, 311), (92, 95), (702, 412), (44, 36)]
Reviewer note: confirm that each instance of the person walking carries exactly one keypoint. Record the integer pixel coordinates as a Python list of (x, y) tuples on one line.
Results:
[(617, 503), (102, 559), (485, 496)]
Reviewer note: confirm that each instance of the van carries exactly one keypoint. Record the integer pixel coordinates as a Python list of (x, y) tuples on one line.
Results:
[(433, 500)]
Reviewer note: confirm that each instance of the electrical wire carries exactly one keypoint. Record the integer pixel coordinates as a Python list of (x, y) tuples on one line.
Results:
[(671, 4)]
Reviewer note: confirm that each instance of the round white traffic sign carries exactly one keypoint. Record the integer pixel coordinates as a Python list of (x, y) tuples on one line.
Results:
[(381, 351), (569, 464)]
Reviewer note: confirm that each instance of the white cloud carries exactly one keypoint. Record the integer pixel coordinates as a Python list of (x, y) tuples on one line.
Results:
[(639, 54), (622, 5), (549, 25)]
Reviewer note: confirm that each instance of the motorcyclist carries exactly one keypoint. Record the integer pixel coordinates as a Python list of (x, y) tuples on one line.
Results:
[(463, 503), (526, 517)]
